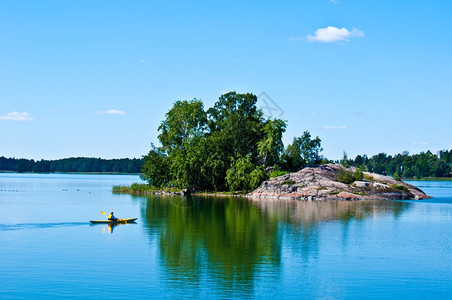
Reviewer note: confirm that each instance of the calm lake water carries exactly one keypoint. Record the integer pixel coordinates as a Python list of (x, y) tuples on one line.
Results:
[(217, 247)]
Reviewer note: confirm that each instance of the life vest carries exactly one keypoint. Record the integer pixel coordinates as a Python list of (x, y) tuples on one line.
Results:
[(109, 216)]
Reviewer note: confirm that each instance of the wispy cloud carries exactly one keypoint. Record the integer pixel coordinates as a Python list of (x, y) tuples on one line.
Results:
[(421, 143), (333, 34), (142, 61), (335, 127), (333, 1), (112, 112), (16, 116)]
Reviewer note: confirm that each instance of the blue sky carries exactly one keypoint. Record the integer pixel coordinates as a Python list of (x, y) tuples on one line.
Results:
[(95, 78)]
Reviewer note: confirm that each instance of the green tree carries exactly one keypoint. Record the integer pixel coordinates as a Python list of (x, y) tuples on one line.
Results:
[(244, 175), (237, 123), (187, 119), (271, 146), (155, 168), (302, 152)]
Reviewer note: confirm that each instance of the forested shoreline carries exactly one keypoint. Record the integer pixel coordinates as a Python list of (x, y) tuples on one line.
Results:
[(404, 165), (416, 166), (72, 165)]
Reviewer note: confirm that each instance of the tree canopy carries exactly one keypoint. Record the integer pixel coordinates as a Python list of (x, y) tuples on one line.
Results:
[(227, 146)]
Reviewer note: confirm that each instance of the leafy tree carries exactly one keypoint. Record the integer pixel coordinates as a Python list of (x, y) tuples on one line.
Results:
[(244, 175), (187, 119), (237, 123), (271, 146), (302, 152), (345, 161), (197, 146), (155, 167)]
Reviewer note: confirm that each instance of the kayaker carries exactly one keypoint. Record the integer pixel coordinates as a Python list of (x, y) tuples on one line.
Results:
[(112, 217)]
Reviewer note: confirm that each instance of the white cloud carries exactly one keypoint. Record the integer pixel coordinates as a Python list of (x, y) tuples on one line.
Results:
[(333, 34), (421, 143), (16, 116), (112, 112), (333, 1), (335, 127), (142, 61)]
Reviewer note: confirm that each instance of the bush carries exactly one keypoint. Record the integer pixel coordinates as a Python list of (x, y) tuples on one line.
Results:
[(276, 173), (400, 187), (396, 177), (243, 175), (348, 177), (257, 176), (358, 175), (345, 177)]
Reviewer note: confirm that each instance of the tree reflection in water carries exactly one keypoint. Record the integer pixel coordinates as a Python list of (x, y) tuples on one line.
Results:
[(232, 241)]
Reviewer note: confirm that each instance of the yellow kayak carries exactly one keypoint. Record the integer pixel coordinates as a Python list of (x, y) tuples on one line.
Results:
[(119, 221)]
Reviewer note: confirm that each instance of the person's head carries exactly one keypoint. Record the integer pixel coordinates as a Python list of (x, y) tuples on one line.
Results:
[(111, 212)]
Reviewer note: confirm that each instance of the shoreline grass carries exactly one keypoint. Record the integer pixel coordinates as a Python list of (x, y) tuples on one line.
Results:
[(143, 189)]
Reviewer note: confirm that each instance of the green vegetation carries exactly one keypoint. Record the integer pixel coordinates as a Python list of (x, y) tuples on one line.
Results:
[(345, 177), (302, 152), (276, 173), (243, 175), (226, 147), (141, 189), (400, 187), (135, 188), (396, 177), (348, 177), (358, 175), (72, 165)]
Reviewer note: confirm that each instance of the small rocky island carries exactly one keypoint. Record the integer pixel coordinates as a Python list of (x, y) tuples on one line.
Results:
[(324, 183)]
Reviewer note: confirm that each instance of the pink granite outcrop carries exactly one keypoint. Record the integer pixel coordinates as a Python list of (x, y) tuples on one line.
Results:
[(320, 183)]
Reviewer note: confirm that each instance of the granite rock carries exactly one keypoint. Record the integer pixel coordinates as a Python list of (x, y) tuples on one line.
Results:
[(320, 183)]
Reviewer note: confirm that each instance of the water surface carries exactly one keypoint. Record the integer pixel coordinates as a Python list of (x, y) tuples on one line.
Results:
[(217, 247)]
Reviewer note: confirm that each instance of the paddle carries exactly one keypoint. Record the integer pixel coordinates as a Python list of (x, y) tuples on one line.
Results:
[(103, 213)]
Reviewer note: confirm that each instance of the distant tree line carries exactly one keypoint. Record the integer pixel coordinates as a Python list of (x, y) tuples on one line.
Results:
[(73, 164), (424, 164)]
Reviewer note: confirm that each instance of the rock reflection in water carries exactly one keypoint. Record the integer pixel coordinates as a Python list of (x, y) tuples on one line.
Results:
[(231, 241), (312, 212), (300, 220)]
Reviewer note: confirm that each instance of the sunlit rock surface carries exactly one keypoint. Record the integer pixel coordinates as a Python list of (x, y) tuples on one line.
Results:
[(320, 183)]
